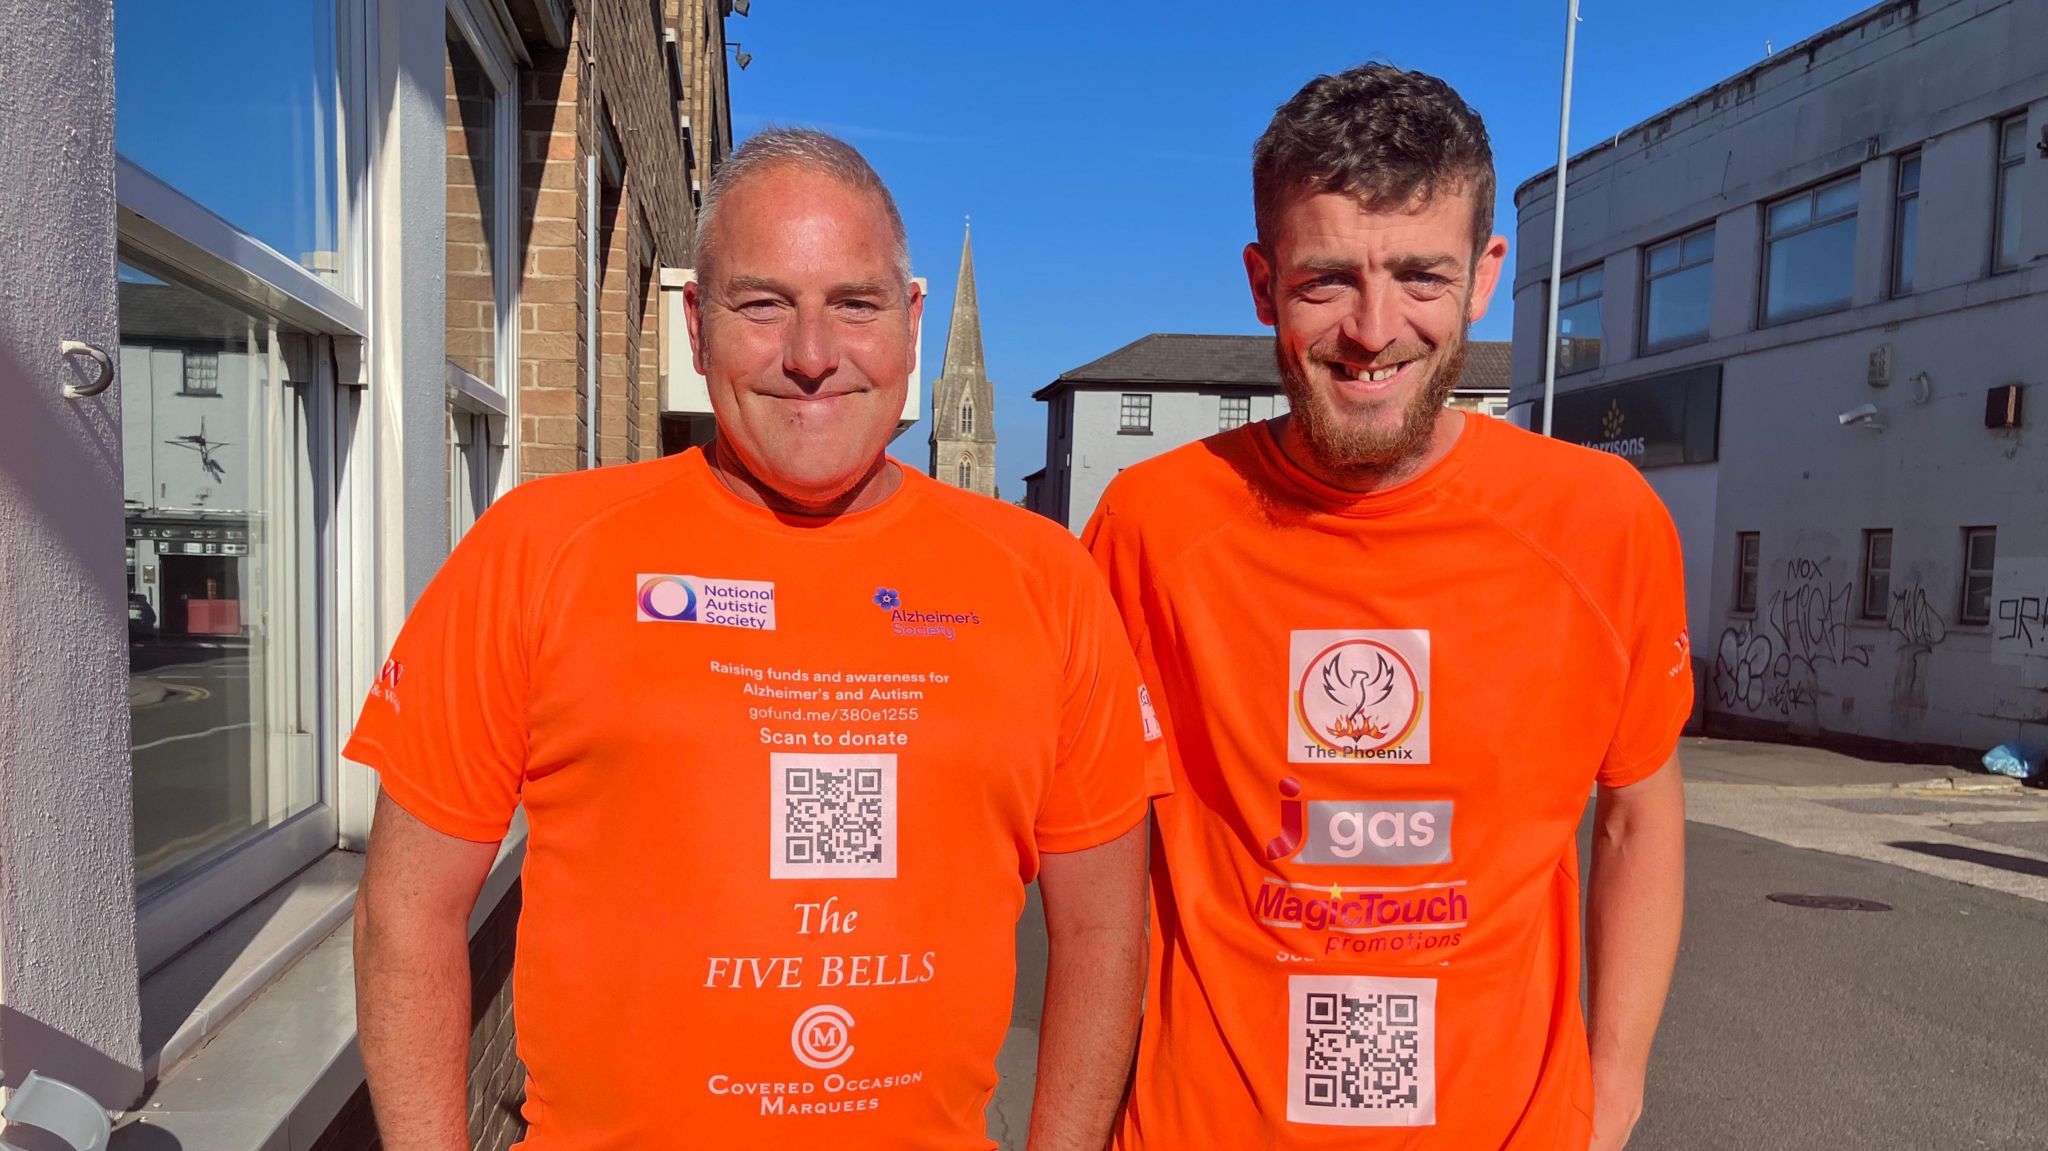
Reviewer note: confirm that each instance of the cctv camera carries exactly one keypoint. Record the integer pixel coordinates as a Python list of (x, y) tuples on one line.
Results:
[(1860, 412)]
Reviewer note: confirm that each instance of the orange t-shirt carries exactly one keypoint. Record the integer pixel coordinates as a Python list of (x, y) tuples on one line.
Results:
[(1385, 714), (784, 786)]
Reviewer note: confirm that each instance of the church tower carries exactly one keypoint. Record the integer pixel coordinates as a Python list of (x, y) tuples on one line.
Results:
[(963, 401)]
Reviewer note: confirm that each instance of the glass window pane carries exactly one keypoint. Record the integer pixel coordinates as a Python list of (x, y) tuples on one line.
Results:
[(1590, 282), (1792, 213), (1663, 257), (1909, 175), (472, 233), (1983, 549), (1977, 598), (1904, 245), (1678, 306), (2008, 217), (2012, 139), (1881, 550), (218, 586), (1699, 245), (233, 103), (1810, 272), (1578, 336), (1835, 199)]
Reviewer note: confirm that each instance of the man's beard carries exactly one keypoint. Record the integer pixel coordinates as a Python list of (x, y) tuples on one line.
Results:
[(1345, 447)]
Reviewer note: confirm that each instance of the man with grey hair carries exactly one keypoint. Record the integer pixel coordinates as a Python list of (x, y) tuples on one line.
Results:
[(792, 725)]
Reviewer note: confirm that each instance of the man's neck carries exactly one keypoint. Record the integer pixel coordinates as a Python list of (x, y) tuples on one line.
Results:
[(878, 483), (1366, 479)]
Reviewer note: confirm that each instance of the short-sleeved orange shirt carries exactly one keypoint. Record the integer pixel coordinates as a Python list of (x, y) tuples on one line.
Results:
[(1385, 715), (784, 786)]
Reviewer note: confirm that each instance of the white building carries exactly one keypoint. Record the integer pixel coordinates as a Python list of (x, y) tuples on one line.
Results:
[(1812, 304)]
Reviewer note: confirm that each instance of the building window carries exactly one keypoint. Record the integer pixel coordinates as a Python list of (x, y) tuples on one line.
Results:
[(202, 374), (967, 417), (1980, 551), (1748, 549), (1905, 223), (1810, 252), (1237, 412), (1877, 573), (1135, 417), (1678, 289), (2012, 152), (967, 472), (1578, 321)]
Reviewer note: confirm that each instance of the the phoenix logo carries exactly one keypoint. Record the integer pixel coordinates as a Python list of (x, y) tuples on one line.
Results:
[(1361, 689), (1358, 695)]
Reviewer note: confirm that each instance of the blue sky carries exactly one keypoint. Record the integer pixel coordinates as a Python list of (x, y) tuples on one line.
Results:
[(1103, 149)]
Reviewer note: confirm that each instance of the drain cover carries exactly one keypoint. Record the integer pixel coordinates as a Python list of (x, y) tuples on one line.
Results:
[(1827, 902)]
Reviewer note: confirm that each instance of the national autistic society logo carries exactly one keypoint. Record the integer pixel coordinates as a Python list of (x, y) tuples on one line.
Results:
[(662, 598), (668, 598), (1358, 695)]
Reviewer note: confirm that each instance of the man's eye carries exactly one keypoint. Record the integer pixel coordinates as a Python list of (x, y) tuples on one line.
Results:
[(757, 307), (864, 307), (1425, 280)]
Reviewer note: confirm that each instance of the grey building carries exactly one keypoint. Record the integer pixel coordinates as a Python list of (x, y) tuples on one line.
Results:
[(1165, 390), (1810, 303)]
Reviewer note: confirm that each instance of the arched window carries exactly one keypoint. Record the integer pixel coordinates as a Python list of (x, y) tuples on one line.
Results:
[(967, 416), (967, 471)]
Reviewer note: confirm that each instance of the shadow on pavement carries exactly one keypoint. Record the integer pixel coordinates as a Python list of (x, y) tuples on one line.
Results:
[(1997, 859)]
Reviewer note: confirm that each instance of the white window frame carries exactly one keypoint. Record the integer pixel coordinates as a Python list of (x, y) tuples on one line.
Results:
[(1142, 410), (1225, 413), (1814, 222), (2002, 165), (1902, 266), (1598, 297), (168, 234), (1683, 265)]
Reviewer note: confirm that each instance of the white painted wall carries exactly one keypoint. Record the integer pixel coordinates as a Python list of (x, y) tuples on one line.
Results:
[(68, 1001), (1079, 466)]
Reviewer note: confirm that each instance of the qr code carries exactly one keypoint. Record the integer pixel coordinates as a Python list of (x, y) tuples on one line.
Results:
[(832, 816), (1362, 1051)]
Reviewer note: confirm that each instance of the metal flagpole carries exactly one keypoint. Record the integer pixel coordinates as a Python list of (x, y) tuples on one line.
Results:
[(1564, 120)]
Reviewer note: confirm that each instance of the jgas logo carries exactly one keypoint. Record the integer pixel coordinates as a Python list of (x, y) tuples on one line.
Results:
[(1376, 833)]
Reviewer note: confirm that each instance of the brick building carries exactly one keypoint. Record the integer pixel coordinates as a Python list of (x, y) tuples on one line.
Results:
[(427, 269)]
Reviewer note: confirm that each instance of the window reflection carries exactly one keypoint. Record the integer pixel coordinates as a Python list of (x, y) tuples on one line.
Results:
[(217, 491)]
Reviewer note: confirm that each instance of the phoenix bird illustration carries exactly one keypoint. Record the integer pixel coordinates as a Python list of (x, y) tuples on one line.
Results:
[(205, 447), (1362, 690)]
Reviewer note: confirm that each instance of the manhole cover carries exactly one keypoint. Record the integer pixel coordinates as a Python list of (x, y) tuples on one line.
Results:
[(1827, 902)]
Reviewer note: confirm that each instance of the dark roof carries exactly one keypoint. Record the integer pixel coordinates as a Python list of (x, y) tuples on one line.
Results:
[(1170, 358), (1486, 366), (1237, 361), (170, 312), (1037, 475)]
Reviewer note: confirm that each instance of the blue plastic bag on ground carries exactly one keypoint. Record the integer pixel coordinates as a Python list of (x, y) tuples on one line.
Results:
[(2018, 760)]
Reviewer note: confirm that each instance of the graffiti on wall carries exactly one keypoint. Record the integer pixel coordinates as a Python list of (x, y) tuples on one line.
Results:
[(1776, 668), (2022, 622), (1919, 627)]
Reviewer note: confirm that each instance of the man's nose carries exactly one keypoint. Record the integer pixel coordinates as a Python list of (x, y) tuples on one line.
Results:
[(1375, 321), (811, 351)]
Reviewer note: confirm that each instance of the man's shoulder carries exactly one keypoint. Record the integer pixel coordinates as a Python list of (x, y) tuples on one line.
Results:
[(1187, 489), (1583, 507), (550, 509), (1005, 526)]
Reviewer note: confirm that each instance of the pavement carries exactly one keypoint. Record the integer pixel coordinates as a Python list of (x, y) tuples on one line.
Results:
[(1922, 1026)]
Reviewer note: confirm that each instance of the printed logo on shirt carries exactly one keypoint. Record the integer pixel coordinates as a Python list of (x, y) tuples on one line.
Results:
[(822, 1037), (1361, 1051), (1152, 729), (693, 599), (1354, 921), (1684, 645), (917, 623), (386, 687), (1360, 832), (1358, 695), (832, 816)]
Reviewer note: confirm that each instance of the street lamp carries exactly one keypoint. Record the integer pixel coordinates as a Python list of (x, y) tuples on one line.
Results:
[(739, 57), (1564, 120)]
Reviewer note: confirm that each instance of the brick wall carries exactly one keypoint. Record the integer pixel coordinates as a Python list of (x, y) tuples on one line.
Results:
[(496, 1079), (471, 299), (551, 387)]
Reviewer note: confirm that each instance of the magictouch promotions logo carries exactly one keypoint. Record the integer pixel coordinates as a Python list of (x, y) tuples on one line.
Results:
[(822, 1037), (662, 598), (1359, 695)]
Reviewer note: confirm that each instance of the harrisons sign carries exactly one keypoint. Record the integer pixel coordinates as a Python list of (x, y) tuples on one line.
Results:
[(1657, 422)]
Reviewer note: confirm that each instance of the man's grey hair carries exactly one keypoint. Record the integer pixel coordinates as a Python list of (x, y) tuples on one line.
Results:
[(812, 151)]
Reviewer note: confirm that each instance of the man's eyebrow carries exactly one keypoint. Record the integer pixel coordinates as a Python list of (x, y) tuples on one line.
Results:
[(862, 288), (1328, 265), (1408, 263), (755, 284)]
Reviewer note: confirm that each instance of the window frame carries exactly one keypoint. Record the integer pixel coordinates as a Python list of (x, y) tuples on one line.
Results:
[(168, 234), (1749, 549), (1597, 298), (1813, 223), (1126, 409), (965, 472), (1901, 283), (967, 414), (2001, 166), (1707, 229), (1875, 609), (1227, 406), (1963, 613)]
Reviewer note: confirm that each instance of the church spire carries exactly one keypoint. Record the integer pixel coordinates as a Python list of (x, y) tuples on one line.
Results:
[(963, 336), (963, 437)]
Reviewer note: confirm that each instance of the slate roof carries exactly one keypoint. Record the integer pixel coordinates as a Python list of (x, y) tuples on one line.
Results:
[(1486, 366)]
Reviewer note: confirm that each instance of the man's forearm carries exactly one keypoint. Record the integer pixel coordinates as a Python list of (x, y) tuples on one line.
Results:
[(412, 1012), (1635, 910), (1094, 989)]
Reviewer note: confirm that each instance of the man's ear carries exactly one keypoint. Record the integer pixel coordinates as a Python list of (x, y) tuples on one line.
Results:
[(1486, 277), (693, 319), (1258, 274)]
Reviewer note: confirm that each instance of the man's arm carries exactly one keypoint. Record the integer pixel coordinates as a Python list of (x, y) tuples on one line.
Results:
[(1634, 909), (1094, 990), (412, 978)]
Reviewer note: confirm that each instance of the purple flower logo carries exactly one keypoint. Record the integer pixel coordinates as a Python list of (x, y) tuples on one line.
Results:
[(887, 599)]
